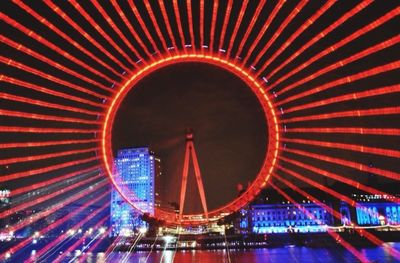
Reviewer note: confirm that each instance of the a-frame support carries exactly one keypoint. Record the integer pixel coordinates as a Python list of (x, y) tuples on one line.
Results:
[(190, 151)]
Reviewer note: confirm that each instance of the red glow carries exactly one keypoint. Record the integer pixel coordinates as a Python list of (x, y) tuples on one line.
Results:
[(43, 214), (45, 90), (57, 223), (264, 100), (52, 27), (347, 97), (263, 29), (179, 23), (31, 158), (51, 62), (46, 143), (347, 147), (154, 20), (225, 24), (167, 23), (298, 32), (95, 25), (346, 114), (32, 187), (348, 130), (371, 50), (279, 31), (213, 21), (46, 197), (343, 162), (31, 172), (322, 34), (65, 235), (36, 116), (352, 78), (121, 35), (47, 76), (337, 215), (201, 23), (190, 22), (80, 240), (331, 175), (334, 235), (7, 96), (237, 25), (250, 26)]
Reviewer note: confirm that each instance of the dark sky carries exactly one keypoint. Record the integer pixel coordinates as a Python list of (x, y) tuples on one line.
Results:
[(214, 103), (228, 122)]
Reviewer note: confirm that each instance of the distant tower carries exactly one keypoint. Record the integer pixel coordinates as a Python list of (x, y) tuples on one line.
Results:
[(190, 151)]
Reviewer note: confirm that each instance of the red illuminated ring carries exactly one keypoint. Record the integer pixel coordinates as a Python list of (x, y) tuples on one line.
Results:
[(270, 115)]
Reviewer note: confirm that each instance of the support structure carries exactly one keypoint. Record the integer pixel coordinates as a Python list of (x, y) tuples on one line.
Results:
[(190, 151)]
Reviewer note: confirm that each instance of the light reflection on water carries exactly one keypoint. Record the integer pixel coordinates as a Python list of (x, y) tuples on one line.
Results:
[(267, 255)]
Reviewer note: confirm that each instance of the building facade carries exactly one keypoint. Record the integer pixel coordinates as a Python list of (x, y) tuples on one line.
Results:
[(374, 210), (284, 218), (136, 170)]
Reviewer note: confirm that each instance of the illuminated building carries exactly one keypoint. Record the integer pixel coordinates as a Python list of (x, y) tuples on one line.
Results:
[(4, 205), (283, 218), (137, 169), (374, 210)]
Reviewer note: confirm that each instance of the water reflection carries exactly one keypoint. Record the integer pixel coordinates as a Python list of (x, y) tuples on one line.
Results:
[(270, 255)]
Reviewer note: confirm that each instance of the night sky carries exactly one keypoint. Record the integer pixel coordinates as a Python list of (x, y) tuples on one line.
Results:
[(227, 119), (230, 131)]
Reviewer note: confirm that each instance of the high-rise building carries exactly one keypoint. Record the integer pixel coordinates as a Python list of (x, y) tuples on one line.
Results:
[(136, 170)]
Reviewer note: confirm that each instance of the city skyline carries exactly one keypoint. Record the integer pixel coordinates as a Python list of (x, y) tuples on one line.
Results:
[(319, 112)]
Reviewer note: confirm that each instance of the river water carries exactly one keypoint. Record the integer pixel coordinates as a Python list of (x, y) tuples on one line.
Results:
[(284, 255)]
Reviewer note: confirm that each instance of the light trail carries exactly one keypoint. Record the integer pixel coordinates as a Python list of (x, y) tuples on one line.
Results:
[(45, 90), (296, 10), (190, 23), (237, 25), (45, 143), (50, 227), (52, 181), (334, 235), (122, 36), (52, 209), (45, 104), (47, 197), (267, 23), (387, 90), (213, 22), (343, 162), (44, 75), (225, 24), (36, 55), (104, 34), (65, 235), (366, 52), (167, 23), (43, 117), (298, 32), (361, 6), (345, 114), (155, 24), (346, 146), (60, 32), (261, 5), (50, 168), (179, 24), (339, 178)]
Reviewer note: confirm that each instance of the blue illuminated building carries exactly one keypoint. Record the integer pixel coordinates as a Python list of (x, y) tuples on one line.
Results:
[(137, 169), (286, 217), (373, 210)]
